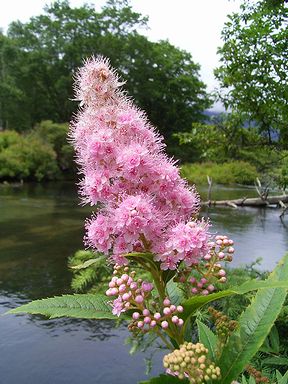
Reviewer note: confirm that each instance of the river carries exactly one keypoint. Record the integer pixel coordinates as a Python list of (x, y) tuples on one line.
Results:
[(41, 225)]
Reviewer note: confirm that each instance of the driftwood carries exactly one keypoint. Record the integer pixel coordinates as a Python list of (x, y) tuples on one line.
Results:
[(249, 202)]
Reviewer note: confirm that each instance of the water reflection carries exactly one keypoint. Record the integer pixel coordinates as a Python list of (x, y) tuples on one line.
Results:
[(40, 226)]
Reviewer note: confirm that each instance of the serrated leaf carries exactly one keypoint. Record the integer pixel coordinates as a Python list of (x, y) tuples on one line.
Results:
[(165, 379), (194, 303), (175, 293), (86, 306), (284, 379), (86, 264), (275, 360), (207, 338), (255, 324), (274, 339)]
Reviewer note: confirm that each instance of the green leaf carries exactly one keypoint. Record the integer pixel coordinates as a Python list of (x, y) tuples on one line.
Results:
[(164, 379), (207, 338), (86, 306), (255, 324), (86, 264), (274, 340), (284, 379), (194, 303), (175, 293), (275, 360)]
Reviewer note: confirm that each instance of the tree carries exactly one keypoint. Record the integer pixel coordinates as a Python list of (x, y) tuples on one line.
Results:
[(253, 70), (164, 80)]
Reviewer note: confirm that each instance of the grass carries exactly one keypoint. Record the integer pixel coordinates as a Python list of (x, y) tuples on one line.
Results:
[(232, 172)]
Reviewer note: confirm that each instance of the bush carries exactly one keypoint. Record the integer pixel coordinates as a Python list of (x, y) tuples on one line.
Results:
[(26, 157), (8, 138), (233, 172), (55, 135)]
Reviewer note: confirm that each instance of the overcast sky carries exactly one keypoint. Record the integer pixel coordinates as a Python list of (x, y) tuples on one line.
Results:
[(193, 25)]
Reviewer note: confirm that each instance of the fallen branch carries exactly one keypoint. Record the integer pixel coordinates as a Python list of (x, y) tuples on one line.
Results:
[(249, 202)]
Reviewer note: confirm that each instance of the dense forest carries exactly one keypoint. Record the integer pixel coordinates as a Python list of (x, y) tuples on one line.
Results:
[(40, 57)]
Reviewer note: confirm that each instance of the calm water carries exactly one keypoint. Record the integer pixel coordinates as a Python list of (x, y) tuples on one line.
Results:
[(40, 227)]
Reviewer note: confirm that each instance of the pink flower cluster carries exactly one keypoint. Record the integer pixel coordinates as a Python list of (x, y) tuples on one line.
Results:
[(145, 204), (136, 295)]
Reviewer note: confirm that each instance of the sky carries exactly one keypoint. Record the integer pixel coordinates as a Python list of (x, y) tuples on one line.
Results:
[(193, 25)]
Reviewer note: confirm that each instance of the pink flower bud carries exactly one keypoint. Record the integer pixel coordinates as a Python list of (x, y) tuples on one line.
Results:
[(173, 308), (122, 288), (199, 285), (114, 291), (211, 288), (231, 242), (126, 296), (231, 250), (221, 255), (146, 312), (203, 280), (180, 309), (153, 323), (192, 280), (147, 320), (111, 284), (114, 279), (219, 242), (194, 290), (223, 280), (133, 286), (146, 286), (140, 324), (157, 316), (129, 281), (207, 257), (180, 322), (221, 273), (166, 302), (175, 319), (127, 305), (139, 299), (205, 292), (166, 311), (108, 292), (218, 237), (119, 282), (125, 277), (225, 242), (164, 324), (135, 315)]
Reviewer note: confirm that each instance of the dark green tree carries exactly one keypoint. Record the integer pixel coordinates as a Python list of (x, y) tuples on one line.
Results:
[(254, 64), (164, 80)]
